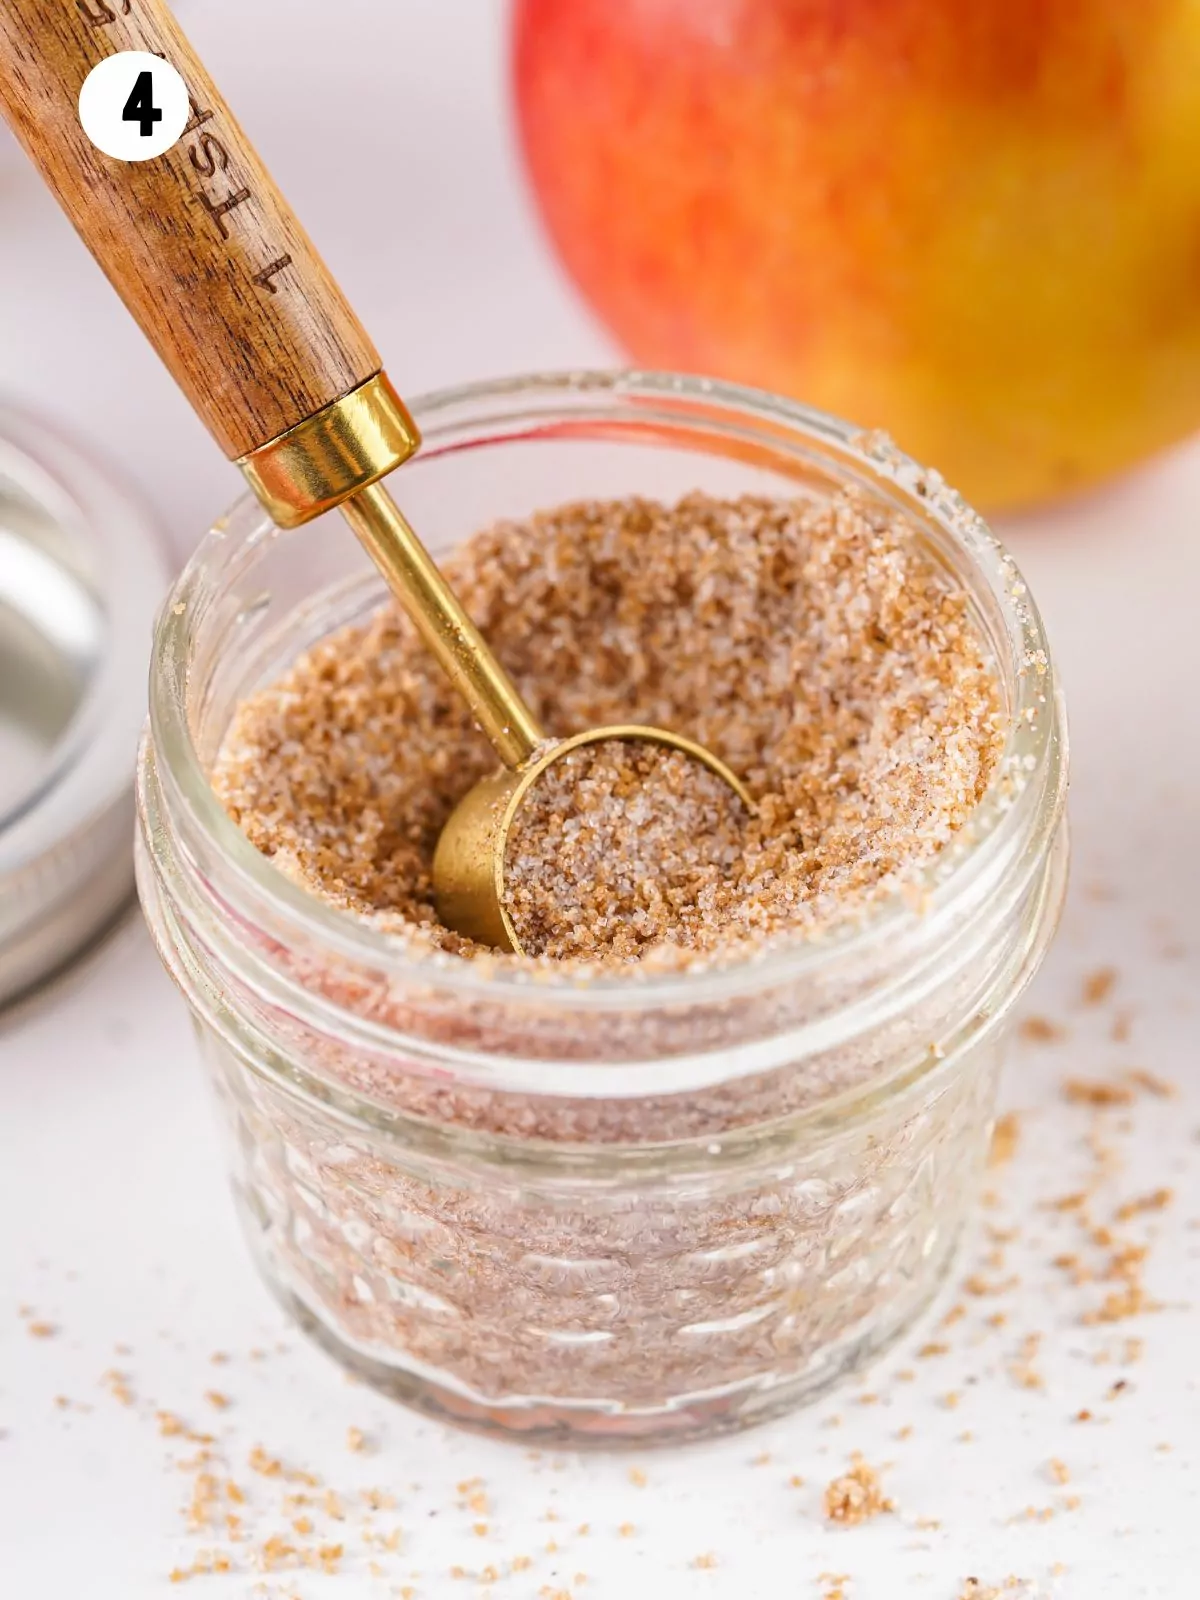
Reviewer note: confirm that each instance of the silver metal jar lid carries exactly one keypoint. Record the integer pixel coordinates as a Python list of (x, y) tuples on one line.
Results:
[(82, 573)]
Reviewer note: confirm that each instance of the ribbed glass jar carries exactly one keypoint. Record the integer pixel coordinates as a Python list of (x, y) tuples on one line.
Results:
[(643, 1206)]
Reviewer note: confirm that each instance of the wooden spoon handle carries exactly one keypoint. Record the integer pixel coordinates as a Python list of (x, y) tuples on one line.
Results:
[(198, 242)]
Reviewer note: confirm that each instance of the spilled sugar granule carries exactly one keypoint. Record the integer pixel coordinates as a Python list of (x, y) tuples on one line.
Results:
[(856, 1496)]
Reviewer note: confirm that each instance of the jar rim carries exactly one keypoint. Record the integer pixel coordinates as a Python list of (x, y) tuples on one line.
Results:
[(1016, 816)]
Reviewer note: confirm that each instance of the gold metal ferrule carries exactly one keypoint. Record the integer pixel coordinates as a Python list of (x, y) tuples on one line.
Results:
[(333, 454)]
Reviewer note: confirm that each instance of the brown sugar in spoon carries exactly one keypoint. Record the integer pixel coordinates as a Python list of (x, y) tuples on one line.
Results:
[(217, 271)]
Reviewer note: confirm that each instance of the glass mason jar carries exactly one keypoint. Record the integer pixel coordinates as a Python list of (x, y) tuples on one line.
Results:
[(644, 1206)]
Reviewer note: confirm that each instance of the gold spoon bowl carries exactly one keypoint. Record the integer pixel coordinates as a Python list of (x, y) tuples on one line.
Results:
[(468, 864)]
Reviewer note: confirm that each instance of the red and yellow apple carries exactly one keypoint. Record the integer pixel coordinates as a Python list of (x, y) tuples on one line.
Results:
[(975, 223)]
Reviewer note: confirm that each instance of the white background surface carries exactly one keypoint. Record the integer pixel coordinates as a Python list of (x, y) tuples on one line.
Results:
[(114, 1220)]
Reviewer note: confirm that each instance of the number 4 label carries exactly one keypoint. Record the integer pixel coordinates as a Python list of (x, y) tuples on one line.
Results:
[(140, 107), (133, 106)]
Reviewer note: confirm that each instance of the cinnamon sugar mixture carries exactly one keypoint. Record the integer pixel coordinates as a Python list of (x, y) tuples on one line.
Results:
[(815, 648), (620, 845)]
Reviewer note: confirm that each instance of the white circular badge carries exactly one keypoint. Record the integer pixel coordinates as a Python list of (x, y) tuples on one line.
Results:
[(133, 106)]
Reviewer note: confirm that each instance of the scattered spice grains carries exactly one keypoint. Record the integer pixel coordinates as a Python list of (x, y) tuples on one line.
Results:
[(621, 845), (1152, 1083), (813, 647), (1023, 1371), (833, 1585), (1004, 1139), (118, 1387), (1040, 1030), (1120, 1261), (1158, 1200), (856, 1496), (976, 1589), (1098, 985), (283, 1519), (1084, 1091)]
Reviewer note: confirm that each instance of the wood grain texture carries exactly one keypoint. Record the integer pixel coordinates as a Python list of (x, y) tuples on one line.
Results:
[(198, 243)]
